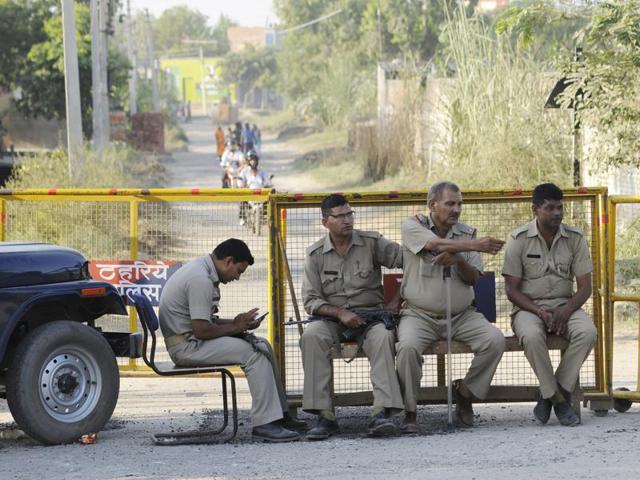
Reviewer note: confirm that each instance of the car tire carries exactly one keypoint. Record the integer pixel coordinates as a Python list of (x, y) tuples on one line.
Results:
[(63, 382)]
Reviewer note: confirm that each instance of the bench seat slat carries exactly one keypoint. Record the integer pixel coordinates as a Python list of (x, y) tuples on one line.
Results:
[(348, 350)]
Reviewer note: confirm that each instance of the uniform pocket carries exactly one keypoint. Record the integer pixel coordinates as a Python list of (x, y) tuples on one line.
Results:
[(534, 268), (563, 265), (427, 269), (330, 284)]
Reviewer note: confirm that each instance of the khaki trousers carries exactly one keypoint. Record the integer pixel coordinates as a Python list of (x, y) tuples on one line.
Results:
[(378, 346), (417, 331), (532, 334), (255, 357)]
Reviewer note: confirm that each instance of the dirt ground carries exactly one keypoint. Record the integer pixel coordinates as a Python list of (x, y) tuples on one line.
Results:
[(505, 443)]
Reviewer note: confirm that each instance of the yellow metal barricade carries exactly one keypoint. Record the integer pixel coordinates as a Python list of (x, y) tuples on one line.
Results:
[(624, 217), (174, 225), (494, 213)]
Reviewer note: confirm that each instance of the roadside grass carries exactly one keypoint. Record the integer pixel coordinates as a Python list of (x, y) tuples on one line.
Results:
[(325, 140), (97, 229), (270, 121), (175, 140)]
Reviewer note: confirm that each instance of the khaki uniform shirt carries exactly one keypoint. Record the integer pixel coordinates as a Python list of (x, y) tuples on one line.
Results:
[(547, 274), (352, 281), (423, 285), (191, 293)]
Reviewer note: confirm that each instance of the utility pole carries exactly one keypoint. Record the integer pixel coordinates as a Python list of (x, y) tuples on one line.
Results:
[(151, 62), (104, 73), (72, 89), (99, 66), (95, 76), (132, 53)]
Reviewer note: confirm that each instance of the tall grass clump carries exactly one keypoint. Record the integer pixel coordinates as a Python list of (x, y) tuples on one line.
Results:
[(97, 229), (498, 133)]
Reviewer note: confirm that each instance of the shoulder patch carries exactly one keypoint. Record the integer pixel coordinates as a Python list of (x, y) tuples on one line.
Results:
[(315, 246), (573, 229), (519, 231)]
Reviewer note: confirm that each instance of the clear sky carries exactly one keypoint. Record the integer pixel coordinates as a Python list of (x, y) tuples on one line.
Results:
[(248, 13)]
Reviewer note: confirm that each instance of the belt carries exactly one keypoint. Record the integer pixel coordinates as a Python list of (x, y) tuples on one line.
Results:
[(174, 340)]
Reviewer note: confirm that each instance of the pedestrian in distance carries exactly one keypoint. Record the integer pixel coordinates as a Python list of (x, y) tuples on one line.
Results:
[(219, 142), (195, 335), (542, 259), (257, 139), (247, 138), (431, 244)]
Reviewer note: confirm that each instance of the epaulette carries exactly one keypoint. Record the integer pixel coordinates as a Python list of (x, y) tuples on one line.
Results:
[(520, 230), (464, 228), (315, 246), (421, 218), (573, 229), (369, 234)]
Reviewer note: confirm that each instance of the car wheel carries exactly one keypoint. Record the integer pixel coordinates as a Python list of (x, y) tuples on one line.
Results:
[(63, 382)]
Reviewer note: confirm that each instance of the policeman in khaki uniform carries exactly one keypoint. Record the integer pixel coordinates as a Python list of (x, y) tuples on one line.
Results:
[(541, 260), (431, 243), (343, 272), (195, 336)]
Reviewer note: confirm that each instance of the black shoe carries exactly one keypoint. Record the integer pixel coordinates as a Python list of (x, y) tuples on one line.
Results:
[(542, 410), (323, 429), (381, 425), (464, 406), (410, 423), (274, 433), (565, 414), (292, 423)]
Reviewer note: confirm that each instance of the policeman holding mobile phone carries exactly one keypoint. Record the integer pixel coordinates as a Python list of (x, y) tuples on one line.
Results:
[(196, 336)]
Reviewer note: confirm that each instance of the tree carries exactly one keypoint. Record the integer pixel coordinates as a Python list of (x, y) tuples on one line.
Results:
[(33, 60), (249, 69), (181, 23)]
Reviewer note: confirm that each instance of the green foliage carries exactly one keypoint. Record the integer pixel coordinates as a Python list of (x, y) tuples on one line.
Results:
[(34, 63), (50, 170), (180, 23), (499, 134), (250, 68), (314, 61), (603, 79)]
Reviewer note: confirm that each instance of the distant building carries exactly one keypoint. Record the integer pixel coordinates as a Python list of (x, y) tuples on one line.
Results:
[(186, 75), (259, 37)]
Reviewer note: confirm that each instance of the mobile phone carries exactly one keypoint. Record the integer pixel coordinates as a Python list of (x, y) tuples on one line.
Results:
[(262, 317)]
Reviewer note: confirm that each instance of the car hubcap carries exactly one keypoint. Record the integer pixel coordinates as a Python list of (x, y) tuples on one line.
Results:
[(70, 385)]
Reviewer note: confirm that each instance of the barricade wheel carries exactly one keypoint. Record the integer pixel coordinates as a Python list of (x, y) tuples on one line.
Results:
[(620, 404)]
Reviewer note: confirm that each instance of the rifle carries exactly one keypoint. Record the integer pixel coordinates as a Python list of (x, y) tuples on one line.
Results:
[(388, 317)]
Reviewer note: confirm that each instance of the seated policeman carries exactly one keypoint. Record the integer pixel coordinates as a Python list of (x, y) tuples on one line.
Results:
[(342, 272), (541, 260), (195, 336), (431, 243)]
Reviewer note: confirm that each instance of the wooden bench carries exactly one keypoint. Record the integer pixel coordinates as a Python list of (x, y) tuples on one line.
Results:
[(485, 303)]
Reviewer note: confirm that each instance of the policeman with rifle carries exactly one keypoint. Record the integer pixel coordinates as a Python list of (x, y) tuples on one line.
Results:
[(343, 285)]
